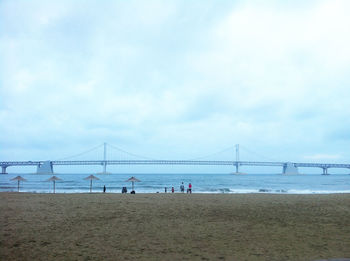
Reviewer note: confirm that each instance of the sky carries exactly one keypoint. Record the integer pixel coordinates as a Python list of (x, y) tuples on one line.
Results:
[(175, 79)]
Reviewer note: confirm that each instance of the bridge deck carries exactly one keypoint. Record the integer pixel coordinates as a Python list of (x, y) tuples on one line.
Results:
[(173, 162)]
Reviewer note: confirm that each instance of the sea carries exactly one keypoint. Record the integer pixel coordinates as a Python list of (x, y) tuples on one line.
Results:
[(201, 183)]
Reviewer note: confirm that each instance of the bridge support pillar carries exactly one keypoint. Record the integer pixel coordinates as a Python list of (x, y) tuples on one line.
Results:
[(104, 171), (45, 168), (3, 169), (290, 169), (104, 163), (104, 167), (325, 171), (237, 164)]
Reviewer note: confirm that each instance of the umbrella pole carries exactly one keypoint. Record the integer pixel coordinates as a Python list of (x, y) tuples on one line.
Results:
[(90, 185), (54, 187), (17, 185), (132, 185)]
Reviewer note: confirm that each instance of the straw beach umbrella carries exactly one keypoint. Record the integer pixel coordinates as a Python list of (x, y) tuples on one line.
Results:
[(91, 177), (54, 179), (19, 178), (133, 180)]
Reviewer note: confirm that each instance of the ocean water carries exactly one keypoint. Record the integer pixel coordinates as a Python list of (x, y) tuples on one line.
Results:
[(202, 183)]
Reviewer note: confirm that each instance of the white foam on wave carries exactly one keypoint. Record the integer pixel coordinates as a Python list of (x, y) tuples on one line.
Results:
[(233, 191), (273, 191), (308, 191)]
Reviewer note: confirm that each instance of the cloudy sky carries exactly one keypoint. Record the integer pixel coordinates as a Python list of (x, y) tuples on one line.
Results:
[(175, 79)]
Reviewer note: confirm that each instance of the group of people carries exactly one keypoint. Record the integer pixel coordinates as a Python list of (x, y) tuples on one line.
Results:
[(124, 190), (182, 188)]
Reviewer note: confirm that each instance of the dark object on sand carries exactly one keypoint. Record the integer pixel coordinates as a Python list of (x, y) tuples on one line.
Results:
[(132, 192)]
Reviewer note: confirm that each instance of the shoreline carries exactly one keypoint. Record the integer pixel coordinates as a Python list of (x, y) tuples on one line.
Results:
[(178, 193)]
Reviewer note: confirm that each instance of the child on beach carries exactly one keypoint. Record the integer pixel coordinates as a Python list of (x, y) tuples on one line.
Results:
[(172, 190), (189, 188)]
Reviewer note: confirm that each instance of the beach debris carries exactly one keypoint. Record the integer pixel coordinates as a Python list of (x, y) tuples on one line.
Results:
[(91, 177), (133, 180), (264, 190), (19, 179), (54, 179)]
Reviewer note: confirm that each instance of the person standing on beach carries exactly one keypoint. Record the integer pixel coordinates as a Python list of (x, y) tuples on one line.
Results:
[(165, 189), (190, 188), (104, 189), (182, 187), (172, 190)]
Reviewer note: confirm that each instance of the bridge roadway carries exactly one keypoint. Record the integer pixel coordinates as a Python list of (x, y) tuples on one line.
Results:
[(168, 162), (288, 167)]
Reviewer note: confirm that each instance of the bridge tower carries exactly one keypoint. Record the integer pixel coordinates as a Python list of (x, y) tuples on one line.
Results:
[(237, 164), (104, 164), (104, 157)]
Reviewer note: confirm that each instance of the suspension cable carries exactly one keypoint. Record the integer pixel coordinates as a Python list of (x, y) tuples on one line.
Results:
[(213, 154), (144, 157), (128, 153), (80, 154), (257, 154)]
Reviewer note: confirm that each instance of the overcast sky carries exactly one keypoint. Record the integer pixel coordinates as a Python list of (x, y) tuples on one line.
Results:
[(175, 79)]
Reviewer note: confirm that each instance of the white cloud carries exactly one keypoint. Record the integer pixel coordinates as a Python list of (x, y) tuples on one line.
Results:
[(322, 157), (194, 77)]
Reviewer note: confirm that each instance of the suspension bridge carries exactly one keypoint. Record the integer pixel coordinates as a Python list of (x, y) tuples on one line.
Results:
[(288, 168)]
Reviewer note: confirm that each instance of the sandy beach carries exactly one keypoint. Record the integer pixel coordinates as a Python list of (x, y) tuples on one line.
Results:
[(174, 226)]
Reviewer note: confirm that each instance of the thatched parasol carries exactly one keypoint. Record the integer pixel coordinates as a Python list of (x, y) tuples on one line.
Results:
[(54, 179), (19, 178), (132, 180), (91, 177)]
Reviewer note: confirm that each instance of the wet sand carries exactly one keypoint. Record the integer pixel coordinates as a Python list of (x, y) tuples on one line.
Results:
[(174, 226)]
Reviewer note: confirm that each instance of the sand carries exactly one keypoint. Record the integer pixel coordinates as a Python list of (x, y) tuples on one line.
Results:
[(174, 226)]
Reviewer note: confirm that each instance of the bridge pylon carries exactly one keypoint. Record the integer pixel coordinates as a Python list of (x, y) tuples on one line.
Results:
[(104, 163), (237, 162), (237, 158)]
